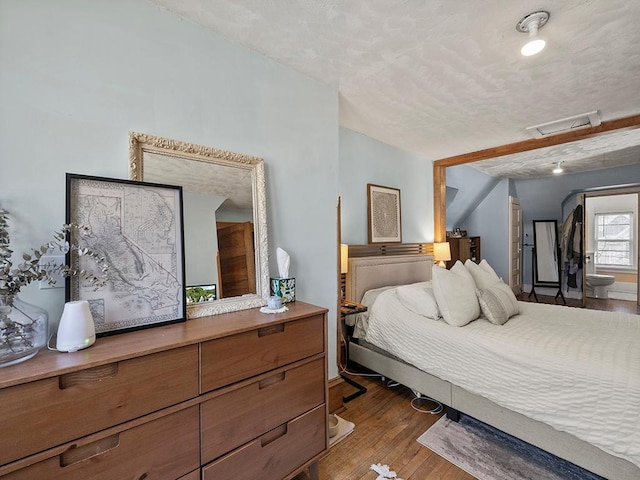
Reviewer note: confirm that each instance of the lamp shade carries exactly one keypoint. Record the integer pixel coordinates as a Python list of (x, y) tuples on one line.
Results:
[(344, 258), (441, 252)]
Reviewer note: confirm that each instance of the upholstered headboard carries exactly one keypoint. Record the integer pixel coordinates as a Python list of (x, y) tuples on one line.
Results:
[(366, 273)]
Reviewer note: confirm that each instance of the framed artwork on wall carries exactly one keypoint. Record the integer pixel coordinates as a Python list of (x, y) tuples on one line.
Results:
[(137, 227), (383, 209)]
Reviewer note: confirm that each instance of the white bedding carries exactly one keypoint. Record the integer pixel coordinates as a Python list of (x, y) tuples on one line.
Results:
[(360, 321), (574, 369)]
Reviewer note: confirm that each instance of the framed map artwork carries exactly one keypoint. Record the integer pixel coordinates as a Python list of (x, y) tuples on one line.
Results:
[(137, 227), (384, 214)]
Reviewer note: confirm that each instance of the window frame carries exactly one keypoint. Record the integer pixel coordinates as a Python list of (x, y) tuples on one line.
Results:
[(631, 241)]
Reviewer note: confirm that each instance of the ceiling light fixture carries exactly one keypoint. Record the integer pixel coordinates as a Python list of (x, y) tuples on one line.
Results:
[(531, 24), (558, 169)]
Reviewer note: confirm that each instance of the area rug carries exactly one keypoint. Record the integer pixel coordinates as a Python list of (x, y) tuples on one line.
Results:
[(489, 454)]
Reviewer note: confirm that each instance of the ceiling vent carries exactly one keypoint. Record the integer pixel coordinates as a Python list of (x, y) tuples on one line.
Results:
[(584, 120)]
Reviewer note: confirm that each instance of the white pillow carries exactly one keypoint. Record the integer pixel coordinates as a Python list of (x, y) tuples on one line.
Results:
[(370, 296), (419, 298), (498, 303), (455, 293), (483, 274)]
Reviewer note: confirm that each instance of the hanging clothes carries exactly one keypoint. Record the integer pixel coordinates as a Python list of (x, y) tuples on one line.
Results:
[(572, 247)]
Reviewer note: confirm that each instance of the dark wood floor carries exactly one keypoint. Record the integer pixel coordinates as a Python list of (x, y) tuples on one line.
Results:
[(608, 304), (386, 430)]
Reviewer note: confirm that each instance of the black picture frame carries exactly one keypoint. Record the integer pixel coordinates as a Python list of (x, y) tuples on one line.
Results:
[(138, 228)]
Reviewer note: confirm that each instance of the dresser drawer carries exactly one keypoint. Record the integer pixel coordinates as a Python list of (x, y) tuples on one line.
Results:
[(275, 454), (236, 417), (229, 359), (162, 449), (38, 415), (195, 475)]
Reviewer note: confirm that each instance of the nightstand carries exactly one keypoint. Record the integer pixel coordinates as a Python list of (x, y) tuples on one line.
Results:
[(350, 308)]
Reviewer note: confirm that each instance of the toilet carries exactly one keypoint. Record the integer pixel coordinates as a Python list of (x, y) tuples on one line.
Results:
[(597, 285)]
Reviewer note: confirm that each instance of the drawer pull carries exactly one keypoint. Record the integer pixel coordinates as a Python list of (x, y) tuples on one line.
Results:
[(263, 332), (90, 375), (267, 382), (77, 454), (273, 435)]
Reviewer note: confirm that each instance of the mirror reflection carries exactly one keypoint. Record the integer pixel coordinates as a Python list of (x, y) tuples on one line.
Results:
[(545, 251), (218, 221), (224, 219)]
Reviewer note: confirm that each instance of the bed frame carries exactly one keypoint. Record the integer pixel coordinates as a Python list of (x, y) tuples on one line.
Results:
[(372, 272)]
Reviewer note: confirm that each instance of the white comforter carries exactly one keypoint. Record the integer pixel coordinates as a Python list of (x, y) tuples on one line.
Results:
[(577, 370)]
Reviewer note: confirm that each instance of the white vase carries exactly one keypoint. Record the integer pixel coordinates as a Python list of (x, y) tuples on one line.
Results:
[(23, 330)]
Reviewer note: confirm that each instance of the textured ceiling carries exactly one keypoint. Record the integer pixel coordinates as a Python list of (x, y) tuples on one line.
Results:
[(212, 179), (440, 77), (597, 153)]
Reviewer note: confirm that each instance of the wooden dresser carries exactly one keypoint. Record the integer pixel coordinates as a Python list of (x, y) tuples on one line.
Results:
[(463, 249), (241, 395)]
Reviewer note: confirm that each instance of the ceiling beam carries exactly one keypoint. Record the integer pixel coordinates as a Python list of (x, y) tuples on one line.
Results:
[(440, 166), (627, 123)]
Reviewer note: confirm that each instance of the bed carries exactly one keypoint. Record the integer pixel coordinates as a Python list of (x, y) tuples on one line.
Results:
[(558, 427)]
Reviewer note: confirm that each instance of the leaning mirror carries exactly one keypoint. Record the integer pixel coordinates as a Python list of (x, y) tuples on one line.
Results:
[(225, 219), (546, 268)]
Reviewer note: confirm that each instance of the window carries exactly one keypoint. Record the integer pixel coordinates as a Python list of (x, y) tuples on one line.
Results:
[(614, 239)]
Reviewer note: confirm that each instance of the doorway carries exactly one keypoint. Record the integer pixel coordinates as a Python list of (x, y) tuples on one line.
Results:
[(515, 245), (611, 250), (236, 259)]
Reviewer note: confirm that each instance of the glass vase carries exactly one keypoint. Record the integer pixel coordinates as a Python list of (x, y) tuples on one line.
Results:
[(23, 330)]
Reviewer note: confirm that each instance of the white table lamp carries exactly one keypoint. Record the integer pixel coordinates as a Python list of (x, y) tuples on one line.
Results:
[(441, 253)]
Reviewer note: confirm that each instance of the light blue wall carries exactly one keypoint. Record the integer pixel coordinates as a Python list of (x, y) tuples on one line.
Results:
[(471, 187), (490, 221), (364, 160), (542, 198), (481, 207), (78, 75), (200, 237)]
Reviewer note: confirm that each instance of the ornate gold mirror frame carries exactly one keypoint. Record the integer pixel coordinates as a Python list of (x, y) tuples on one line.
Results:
[(195, 168)]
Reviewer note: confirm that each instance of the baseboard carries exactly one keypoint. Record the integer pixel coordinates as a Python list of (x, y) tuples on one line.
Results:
[(336, 392)]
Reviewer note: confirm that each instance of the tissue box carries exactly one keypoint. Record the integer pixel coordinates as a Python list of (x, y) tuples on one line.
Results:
[(284, 288)]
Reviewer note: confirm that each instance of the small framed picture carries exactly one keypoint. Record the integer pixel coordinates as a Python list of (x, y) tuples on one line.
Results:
[(384, 214), (201, 293), (137, 227)]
